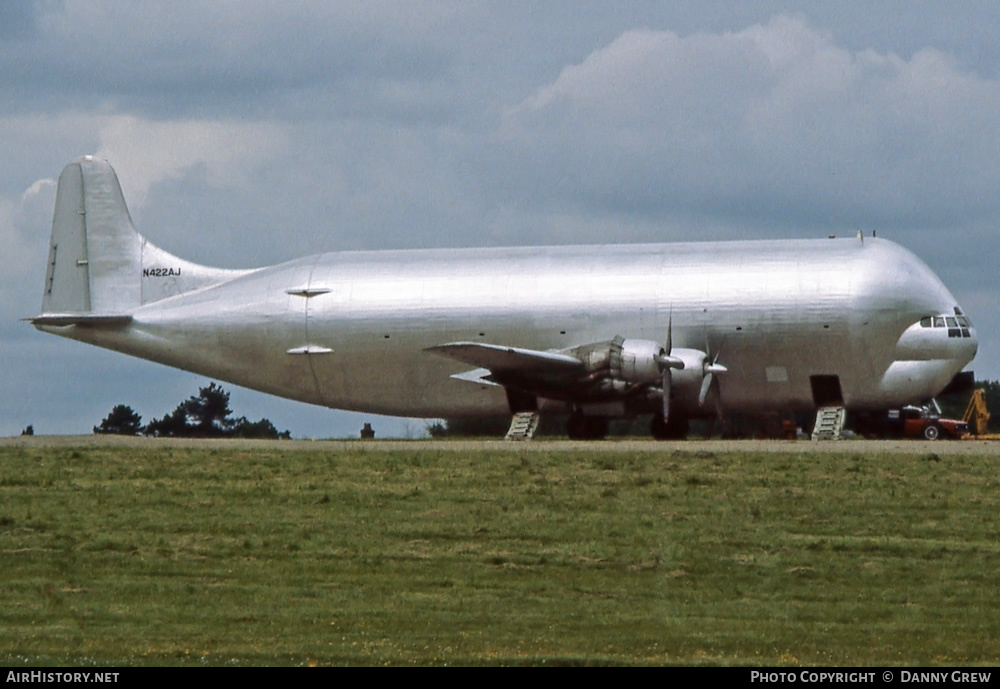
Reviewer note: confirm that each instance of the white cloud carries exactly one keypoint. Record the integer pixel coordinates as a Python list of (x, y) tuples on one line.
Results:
[(37, 189), (772, 121), (23, 247), (145, 152)]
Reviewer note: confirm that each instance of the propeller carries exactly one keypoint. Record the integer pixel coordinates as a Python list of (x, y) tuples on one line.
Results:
[(667, 362), (709, 369)]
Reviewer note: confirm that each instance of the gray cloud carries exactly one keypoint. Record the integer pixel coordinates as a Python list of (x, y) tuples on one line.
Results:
[(258, 59), (773, 123)]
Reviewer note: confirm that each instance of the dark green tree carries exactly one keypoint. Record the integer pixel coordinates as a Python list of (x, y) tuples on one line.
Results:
[(173, 425), (207, 416), (121, 421), (209, 412), (204, 416), (437, 430), (243, 428)]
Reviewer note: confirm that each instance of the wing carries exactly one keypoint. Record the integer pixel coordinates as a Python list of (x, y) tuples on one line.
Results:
[(499, 359), (641, 373), (591, 372)]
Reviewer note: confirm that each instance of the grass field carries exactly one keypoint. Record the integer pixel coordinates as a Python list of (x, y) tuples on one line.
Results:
[(162, 555)]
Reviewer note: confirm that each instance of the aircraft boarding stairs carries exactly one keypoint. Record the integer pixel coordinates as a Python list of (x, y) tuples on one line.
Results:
[(829, 423), (523, 426)]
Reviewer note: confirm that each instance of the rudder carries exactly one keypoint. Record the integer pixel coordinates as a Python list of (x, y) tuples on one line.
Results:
[(95, 254), (98, 262)]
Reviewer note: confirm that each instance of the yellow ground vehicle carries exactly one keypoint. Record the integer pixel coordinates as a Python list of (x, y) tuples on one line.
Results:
[(977, 415)]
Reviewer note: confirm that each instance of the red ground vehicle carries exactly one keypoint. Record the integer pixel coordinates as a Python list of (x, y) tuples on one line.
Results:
[(926, 423)]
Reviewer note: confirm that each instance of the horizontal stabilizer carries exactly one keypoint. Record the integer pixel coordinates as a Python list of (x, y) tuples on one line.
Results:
[(498, 358), (84, 319)]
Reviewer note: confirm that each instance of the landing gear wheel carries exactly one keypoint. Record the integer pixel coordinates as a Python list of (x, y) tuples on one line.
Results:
[(582, 427), (932, 432)]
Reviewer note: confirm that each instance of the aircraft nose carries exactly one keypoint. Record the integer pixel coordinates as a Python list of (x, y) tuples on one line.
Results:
[(974, 341), (965, 346), (945, 337)]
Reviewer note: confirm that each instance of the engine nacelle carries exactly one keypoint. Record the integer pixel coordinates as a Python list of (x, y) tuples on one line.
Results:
[(616, 367), (693, 372), (640, 361)]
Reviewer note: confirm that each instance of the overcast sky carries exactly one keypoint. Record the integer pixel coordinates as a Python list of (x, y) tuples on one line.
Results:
[(247, 133)]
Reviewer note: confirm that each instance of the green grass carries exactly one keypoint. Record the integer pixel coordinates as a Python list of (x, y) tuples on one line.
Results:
[(165, 555)]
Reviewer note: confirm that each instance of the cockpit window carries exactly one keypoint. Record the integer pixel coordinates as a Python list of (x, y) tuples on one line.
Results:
[(958, 326)]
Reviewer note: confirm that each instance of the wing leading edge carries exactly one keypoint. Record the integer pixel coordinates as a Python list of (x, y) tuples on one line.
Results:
[(609, 370), (499, 359)]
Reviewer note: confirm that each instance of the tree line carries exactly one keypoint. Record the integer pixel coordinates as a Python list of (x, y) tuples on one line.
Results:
[(206, 415)]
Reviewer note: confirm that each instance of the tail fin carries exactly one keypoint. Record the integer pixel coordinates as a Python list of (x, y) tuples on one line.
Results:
[(98, 263)]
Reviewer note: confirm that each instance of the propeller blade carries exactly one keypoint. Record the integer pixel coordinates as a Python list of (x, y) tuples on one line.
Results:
[(664, 360), (670, 332), (718, 353), (666, 394), (706, 383), (709, 367)]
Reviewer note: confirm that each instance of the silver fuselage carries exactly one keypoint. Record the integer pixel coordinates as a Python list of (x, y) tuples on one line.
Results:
[(350, 330)]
